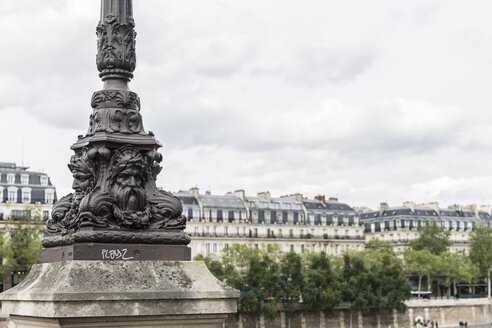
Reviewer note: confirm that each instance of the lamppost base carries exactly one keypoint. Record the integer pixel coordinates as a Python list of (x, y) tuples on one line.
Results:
[(119, 294)]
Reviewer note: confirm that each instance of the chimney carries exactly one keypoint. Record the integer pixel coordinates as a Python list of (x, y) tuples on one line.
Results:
[(335, 199), (299, 197), (473, 208), (208, 192), (383, 207), (485, 208), (240, 194), (455, 207), (410, 205), (321, 198), (266, 195), (195, 192), (433, 205)]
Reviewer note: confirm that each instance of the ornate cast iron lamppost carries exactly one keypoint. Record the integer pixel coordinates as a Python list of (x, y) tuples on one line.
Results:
[(115, 165), (89, 276)]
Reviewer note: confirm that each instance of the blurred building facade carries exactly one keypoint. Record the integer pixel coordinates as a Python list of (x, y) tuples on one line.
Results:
[(22, 190), (296, 223), (400, 224), (24, 195), (292, 222)]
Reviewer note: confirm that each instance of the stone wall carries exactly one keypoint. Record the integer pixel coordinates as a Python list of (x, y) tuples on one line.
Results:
[(448, 313)]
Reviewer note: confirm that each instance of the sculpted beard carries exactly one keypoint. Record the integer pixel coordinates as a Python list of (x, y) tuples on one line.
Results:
[(129, 198)]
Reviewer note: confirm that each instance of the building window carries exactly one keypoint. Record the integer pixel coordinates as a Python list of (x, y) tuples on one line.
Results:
[(291, 248), (279, 233), (26, 195), (324, 248), (46, 215), (215, 248), (256, 233), (226, 231), (1, 216), (10, 178), (207, 246), (301, 234), (312, 233), (49, 196), (313, 248), (337, 249), (226, 245), (196, 231), (44, 180), (25, 179), (302, 248), (20, 214), (1, 194), (256, 246), (12, 195), (291, 233)]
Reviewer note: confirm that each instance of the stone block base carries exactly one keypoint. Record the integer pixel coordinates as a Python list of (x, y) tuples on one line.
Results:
[(116, 252), (175, 321), (119, 294)]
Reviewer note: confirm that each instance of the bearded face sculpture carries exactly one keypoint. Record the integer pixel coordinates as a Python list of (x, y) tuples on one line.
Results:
[(83, 175), (127, 187)]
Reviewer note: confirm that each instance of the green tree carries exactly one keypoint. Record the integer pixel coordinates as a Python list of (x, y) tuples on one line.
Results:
[(433, 238), (358, 282), (481, 251), (390, 284), (448, 269), (292, 275), (420, 263), (20, 245), (321, 291), (263, 287)]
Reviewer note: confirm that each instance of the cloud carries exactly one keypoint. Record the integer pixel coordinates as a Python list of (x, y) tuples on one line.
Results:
[(368, 101)]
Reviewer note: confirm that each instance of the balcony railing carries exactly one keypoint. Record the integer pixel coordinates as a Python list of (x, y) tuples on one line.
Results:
[(273, 236)]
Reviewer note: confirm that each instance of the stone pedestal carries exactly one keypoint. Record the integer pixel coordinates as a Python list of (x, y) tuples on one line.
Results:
[(119, 294)]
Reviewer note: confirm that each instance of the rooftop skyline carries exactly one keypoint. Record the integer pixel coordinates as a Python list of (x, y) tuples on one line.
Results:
[(369, 102)]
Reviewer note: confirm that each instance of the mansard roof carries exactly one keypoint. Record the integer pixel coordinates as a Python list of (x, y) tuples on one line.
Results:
[(218, 201)]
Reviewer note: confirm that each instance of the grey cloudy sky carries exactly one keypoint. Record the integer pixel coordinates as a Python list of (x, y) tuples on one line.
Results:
[(369, 101)]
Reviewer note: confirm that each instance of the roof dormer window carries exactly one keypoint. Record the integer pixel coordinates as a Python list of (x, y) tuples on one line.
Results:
[(25, 179), (44, 180)]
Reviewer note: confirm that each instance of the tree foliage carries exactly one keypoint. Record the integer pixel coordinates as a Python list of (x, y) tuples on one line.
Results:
[(20, 244), (292, 276), (433, 238), (321, 290), (481, 248), (481, 251), (375, 279)]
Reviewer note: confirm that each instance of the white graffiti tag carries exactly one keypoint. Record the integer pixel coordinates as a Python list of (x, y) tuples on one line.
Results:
[(115, 254)]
